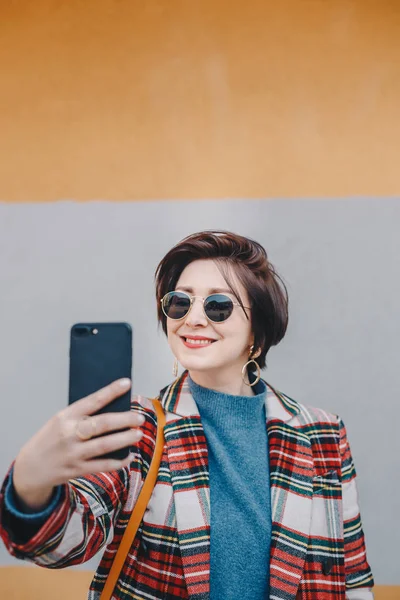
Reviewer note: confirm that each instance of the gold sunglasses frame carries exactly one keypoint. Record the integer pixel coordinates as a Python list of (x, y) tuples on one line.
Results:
[(193, 298)]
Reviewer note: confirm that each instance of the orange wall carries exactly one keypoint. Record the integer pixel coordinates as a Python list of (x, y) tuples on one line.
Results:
[(135, 99)]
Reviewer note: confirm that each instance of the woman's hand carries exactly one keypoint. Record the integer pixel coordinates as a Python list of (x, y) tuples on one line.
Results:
[(64, 447)]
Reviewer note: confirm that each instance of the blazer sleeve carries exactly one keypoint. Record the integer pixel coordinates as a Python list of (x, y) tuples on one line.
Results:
[(86, 517), (359, 579), (78, 527)]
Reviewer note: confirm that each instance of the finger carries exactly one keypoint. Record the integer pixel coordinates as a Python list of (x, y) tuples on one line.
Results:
[(104, 465), (85, 428), (109, 422), (95, 402), (108, 443)]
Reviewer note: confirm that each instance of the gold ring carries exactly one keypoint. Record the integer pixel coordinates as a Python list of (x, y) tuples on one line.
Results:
[(84, 433)]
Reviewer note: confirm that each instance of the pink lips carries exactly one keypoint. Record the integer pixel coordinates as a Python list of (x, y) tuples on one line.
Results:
[(196, 346)]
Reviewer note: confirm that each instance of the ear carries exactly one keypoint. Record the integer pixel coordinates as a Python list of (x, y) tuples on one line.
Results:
[(254, 353)]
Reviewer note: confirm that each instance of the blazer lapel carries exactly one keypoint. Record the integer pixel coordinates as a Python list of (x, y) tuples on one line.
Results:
[(188, 463), (291, 475)]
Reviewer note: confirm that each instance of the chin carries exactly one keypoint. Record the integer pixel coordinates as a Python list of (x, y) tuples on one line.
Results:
[(197, 365)]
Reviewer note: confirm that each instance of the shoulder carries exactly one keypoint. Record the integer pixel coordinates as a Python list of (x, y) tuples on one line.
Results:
[(142, 404), (324, 431), (142, 452), (308, 416), (145, 407), (313, 415)]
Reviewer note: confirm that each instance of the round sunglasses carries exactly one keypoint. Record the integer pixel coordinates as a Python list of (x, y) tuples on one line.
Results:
[(217, 307)]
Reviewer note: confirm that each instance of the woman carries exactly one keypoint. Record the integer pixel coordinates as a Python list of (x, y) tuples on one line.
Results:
[(256, 494)]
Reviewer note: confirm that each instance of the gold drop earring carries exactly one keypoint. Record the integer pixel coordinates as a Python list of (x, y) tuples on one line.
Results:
[(249, 362), (175, 368)]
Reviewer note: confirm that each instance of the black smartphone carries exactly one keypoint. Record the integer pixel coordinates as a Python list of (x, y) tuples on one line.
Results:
[(99, 354)]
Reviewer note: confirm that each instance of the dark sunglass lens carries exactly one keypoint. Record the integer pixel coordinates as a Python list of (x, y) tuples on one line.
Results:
[(176, 305), (218, 307)]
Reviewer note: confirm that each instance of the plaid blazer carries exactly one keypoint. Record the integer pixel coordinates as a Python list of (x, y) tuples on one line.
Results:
[(317, 545)]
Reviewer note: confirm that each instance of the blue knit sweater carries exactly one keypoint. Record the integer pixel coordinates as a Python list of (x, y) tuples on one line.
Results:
[(236, 433)]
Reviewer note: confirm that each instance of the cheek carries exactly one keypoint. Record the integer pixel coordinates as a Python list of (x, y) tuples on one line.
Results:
[(237, 329), (169, 331), (172, 328)]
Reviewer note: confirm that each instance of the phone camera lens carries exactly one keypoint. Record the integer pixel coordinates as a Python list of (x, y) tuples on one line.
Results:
[(81, 331)]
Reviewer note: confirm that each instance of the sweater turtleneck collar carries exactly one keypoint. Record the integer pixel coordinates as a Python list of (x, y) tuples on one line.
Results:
[(224, 408)]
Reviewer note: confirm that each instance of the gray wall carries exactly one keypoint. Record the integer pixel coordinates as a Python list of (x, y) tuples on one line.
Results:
[(65, 262)]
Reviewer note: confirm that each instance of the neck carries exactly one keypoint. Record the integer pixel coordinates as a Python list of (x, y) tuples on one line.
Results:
[(226, 383)]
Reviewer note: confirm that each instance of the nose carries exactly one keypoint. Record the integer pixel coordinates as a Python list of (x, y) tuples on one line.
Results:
[(196, 316)]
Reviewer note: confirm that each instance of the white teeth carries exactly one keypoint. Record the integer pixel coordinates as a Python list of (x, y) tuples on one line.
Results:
[(199, 342)]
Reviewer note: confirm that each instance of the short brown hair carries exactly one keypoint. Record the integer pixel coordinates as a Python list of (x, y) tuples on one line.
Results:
[(265, 288)]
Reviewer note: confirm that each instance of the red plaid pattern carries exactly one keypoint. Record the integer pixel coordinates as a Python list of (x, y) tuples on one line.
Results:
[(317, 547)]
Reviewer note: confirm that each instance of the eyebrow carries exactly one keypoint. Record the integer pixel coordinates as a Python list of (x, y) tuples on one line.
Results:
[(190, 290)]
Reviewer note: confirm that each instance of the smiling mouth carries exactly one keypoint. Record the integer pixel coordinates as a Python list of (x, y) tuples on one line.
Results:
[(197, 342)]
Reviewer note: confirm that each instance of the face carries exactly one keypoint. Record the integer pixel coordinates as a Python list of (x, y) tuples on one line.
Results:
[(201, 346)]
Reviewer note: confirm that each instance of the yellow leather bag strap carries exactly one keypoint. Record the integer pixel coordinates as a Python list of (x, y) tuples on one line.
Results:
[(140, 507)]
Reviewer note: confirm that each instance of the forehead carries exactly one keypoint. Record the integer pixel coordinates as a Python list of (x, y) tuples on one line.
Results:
[(205, 276)]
